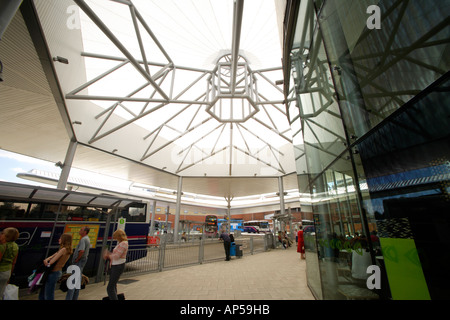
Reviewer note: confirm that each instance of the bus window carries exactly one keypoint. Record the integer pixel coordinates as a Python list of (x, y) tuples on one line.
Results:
[(12, 210), (135, 213)]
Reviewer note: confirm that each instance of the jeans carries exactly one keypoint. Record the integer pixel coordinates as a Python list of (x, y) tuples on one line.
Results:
[(114, 275), (47, 292), (72, 294)]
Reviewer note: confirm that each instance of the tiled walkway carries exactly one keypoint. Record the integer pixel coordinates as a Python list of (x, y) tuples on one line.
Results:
[(274, 275)]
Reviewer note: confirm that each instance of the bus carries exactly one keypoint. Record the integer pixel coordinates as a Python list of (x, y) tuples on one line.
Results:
[(260, 225), (235, 224), (211, 225), (308, 226), (42, 215)]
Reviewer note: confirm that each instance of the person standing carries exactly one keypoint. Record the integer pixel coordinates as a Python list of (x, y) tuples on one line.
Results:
[(117, 259), (301, 243), (226, 243), (57, 261), (8, 256), (80, 257)]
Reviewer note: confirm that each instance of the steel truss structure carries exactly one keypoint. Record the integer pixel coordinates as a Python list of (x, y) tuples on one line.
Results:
[(226, 103)]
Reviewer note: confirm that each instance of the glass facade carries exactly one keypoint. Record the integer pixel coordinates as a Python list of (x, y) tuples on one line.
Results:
[(369, 108)]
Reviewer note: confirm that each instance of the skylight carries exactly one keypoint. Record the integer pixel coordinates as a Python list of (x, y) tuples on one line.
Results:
[(162, 74)]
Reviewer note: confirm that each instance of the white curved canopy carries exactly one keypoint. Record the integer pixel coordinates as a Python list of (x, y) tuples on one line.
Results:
[(168, 128)]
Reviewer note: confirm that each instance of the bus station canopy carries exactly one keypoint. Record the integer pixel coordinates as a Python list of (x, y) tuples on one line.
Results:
[(152, 91), (20, 192)]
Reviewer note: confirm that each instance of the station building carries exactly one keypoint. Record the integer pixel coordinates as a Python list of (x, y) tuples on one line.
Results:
[(335, 109)]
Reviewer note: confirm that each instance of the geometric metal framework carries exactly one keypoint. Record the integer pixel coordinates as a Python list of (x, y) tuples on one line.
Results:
[(316, 84), (222, 106), (232, 104)]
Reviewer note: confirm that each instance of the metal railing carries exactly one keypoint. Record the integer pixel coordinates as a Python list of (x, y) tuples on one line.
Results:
[(168, 255)]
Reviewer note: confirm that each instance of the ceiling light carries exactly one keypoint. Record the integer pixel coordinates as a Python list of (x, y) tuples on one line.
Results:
[(61, 59)]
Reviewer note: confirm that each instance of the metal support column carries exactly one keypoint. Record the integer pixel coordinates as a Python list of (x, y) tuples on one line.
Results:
[(101, 264), (237, 23), (228, 213), (178, 209), (67, 165), (167, 219), (152, 223), (281, 190)]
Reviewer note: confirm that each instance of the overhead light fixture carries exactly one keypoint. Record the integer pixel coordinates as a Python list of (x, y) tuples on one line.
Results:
[(77, 122), (61, 59), (59, 164)]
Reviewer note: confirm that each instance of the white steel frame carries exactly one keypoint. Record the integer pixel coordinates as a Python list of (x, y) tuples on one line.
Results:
[(241, 86)]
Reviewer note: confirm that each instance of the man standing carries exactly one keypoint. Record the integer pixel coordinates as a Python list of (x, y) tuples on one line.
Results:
[(79, 259), (226, 243)]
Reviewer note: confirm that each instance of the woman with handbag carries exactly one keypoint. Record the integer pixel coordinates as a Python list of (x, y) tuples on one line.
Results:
[(117, 259), (56, 262), (8, 256)]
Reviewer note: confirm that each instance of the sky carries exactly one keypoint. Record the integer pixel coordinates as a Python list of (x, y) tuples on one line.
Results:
[(12, 163)]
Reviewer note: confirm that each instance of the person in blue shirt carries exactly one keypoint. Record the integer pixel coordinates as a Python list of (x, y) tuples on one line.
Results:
[(80, 257)]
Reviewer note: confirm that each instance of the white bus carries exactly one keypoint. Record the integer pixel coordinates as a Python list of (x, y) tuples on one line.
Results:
[(260, 225)]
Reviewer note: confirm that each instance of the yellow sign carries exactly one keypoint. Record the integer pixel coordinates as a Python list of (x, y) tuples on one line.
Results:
[(74, 229)]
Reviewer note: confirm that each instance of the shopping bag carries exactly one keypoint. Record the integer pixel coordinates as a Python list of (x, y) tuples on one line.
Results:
[(34, 283), (11, 292), (31, 277)]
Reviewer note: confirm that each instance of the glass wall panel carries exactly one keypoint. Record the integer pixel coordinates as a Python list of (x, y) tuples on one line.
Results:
[(325, 169), (369, 110), (408, 181), (379, 70)]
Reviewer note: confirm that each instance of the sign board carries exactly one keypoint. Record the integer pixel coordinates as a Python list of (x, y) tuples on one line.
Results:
[(46, 234), (121, 223), (74, 229)]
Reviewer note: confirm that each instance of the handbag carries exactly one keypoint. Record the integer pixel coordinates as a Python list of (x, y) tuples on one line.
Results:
[(63, 282), (45, 274), (11, 292), (33, 284)]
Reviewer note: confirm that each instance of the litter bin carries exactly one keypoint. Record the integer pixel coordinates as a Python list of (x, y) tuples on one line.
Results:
[(238, 250), (233, 249)]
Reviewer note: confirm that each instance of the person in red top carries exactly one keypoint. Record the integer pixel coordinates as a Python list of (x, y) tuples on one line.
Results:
[(300, 243), (117, 259)]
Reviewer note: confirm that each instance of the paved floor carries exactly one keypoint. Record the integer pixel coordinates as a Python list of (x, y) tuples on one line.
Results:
[(274, 275)]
